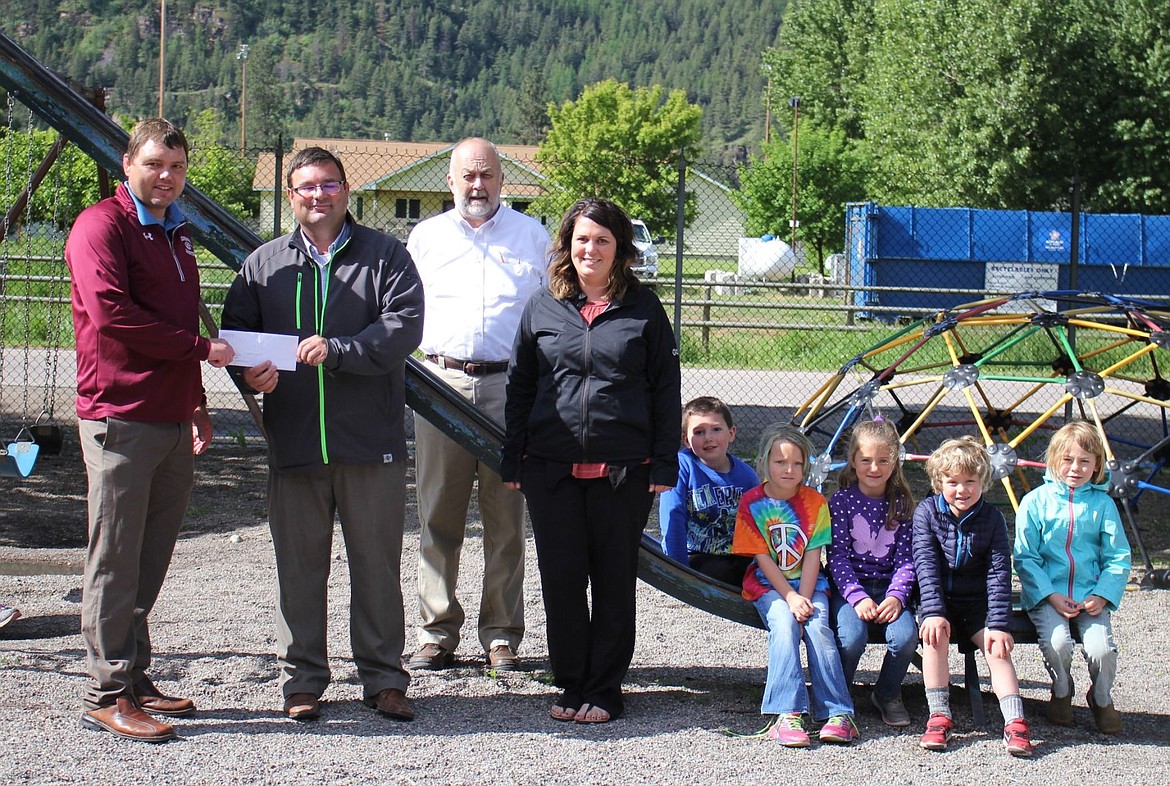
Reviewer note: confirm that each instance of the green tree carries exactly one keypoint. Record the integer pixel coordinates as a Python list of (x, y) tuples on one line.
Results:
[(1139, 48), (530, 116), (220, 172), (268, 104), (68, 188), (622, 144), (831, 171), (989, 103), (822, 57)]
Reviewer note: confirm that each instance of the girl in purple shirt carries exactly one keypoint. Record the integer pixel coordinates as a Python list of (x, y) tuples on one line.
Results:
[(871, 564)]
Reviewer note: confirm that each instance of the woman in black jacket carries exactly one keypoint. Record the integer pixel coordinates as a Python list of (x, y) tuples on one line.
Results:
[(592, 419)]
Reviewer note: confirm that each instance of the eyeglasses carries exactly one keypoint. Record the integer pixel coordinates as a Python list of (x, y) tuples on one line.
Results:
[(330, 188)]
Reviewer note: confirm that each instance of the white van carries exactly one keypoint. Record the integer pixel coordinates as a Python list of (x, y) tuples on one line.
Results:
[(646, 266)]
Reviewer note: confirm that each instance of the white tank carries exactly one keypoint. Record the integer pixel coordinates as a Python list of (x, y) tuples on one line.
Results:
[(767, 258)]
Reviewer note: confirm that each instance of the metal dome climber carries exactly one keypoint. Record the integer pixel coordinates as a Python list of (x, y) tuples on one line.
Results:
[(1006, 367)]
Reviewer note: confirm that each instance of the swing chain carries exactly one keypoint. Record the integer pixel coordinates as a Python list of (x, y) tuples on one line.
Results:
[(28, 261), (3, 253), (54, 294)]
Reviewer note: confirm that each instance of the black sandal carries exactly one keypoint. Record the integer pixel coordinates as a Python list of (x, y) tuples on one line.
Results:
[(567, 702), (610, 714)]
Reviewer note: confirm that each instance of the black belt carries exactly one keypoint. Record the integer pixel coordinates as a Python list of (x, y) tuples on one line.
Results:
[(471, 368)]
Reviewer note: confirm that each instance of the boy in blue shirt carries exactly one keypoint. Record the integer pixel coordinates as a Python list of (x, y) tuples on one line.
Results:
[(697, 516)]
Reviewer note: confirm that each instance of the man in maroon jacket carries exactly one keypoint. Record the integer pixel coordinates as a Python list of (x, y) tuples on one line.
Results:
[(141, 416)]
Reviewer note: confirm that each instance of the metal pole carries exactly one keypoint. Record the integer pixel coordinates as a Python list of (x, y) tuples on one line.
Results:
[(680, 220), (162, 54), (1074, 258), (768, 108), (277, 189), (794, 102), (1074, 253), (242, 56)]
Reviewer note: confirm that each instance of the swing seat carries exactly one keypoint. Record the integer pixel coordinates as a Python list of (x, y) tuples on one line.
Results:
[(20, 457), (48, 437)]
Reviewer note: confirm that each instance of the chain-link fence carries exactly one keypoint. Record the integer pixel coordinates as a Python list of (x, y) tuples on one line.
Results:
[(775, 326)]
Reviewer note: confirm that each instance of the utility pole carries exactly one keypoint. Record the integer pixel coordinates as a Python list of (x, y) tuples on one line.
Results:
[(794, 102), (768, 105), (242, 56), (162, 54)]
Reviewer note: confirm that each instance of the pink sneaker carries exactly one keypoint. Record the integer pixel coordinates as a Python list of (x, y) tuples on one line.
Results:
[(840, 729), (789, 731)]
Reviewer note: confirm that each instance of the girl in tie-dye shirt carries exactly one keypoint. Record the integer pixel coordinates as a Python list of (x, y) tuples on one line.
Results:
[(784, 525)]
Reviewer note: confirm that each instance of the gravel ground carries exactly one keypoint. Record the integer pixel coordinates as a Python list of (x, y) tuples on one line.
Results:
[(693, 677)]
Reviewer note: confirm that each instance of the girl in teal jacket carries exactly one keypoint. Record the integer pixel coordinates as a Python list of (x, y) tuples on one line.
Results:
[(1073, 561)]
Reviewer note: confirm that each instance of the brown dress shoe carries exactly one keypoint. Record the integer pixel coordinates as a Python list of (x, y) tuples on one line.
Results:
[(430, 657), (124, 719), (503, 658), (392, 703), (302, 706), (152, 700)]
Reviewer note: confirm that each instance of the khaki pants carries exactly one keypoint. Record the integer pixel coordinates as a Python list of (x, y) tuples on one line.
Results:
[(446, 474), (370, 500), (140, 477)]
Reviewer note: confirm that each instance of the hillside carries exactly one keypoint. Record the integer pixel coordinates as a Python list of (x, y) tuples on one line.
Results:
[(411, 70)]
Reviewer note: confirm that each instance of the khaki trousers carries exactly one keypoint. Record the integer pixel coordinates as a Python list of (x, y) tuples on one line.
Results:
[(370, 500), (446, 473), (140, 477)]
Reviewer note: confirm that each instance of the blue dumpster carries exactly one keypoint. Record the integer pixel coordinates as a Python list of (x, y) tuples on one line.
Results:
[(912, 250)]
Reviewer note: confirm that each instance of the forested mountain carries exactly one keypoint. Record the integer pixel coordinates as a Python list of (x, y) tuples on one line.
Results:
[(411, 69)]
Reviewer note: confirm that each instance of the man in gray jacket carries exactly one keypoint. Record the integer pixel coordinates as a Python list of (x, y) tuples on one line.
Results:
[(335, 428)]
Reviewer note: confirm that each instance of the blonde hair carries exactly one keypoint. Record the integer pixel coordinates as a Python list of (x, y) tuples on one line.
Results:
[(783, 434), (1084, 436), (964, 455), (898, 492)]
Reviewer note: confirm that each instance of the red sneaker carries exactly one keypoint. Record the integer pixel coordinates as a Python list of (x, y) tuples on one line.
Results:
[(938, 732), (1015, 737)]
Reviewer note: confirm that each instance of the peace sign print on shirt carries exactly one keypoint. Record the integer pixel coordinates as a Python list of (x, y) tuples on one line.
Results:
[(787, 536)]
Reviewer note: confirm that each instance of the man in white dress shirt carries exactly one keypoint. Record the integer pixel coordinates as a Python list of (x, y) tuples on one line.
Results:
[(479, 263)]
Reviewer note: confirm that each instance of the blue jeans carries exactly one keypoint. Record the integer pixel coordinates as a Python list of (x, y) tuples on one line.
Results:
[(852, 635), (784, 690), (1054, 635)]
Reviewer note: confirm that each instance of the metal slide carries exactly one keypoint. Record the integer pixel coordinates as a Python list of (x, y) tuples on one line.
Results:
[(66, 110)]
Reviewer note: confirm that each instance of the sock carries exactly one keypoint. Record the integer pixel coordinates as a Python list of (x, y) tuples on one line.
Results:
[(939, 700), (1012, 707)]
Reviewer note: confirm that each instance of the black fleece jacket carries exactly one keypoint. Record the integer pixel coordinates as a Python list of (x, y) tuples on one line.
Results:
[(605, 392)]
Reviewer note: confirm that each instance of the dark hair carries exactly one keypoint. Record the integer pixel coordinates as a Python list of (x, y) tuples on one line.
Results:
[(156, 129), (312, 156), (706, 405), (561, 273)]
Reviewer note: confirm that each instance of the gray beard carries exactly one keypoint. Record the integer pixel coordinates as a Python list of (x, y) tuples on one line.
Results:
[(476, 208)]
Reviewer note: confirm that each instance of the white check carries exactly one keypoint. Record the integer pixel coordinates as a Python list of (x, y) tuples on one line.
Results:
[(252, 349)]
